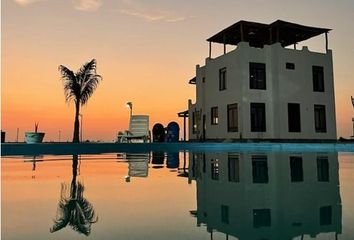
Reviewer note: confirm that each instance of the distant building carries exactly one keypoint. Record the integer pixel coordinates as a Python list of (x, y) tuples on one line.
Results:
[(262, 90)]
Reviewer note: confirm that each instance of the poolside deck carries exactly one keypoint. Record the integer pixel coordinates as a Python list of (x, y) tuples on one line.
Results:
[(10, 149)]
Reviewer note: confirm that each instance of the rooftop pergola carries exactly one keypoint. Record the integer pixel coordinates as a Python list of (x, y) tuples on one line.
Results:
[(259, 34)]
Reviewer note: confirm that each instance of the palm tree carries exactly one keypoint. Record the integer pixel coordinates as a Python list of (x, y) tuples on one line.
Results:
[(74, 210), (79, 87)]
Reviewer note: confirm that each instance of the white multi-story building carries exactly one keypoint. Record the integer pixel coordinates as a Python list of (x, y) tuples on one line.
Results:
[(263, 89)]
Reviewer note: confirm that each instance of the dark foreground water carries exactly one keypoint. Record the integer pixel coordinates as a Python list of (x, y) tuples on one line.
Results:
[(204, 195)]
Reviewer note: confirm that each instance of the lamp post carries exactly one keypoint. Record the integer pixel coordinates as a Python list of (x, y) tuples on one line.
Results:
[(59, 135), (130, 106), (81, 116)]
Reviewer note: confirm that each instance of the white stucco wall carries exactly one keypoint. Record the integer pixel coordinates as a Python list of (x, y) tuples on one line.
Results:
[(283, 86)]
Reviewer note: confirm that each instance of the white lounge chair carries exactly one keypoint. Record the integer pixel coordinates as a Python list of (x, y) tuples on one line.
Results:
[(138, 129)]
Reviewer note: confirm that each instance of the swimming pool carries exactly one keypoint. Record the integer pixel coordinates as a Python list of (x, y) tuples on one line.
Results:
[(199, 194)]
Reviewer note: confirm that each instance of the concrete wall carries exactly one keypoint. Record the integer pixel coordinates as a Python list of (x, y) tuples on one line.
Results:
[(283, 86)]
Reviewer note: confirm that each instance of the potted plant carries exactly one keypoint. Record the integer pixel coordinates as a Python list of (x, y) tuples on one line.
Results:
[(34, 137)]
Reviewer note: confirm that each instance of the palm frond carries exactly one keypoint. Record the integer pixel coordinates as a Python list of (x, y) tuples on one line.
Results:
[(66, 73), (71, 85), (86, 69), (87, 211), (79, 221), (63, 217), (88, 79), (86, 207), (80, 228), (89, 87), (80, 190), (65, 207), (75, 211), (64, 192)]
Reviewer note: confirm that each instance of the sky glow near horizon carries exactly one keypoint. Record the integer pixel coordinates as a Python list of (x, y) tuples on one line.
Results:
[(146, 52)]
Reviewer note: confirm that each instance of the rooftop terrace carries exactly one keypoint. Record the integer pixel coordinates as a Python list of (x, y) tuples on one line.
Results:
[(260, 34)]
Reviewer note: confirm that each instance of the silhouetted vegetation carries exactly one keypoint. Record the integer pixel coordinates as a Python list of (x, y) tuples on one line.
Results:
[(73, 209), (79, 87)]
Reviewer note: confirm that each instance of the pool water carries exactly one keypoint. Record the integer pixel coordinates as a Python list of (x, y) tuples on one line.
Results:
[(185, 195)]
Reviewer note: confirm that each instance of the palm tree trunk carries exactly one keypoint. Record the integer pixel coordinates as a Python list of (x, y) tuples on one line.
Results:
[(76, 138), (73, 192)]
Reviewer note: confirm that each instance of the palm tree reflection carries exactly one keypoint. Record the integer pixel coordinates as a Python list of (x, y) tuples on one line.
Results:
[(73, 209)]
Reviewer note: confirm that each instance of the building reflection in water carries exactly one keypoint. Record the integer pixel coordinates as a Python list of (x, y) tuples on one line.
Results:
[(267, 196)]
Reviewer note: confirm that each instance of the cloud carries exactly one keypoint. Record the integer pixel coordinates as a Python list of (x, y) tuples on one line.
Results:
[(87, 5), (81, 5), (177, 19), (136, 9), (146, 16), (151, 16), (25, 2)]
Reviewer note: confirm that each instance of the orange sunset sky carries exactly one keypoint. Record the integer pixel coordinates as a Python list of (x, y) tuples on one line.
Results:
[(146, 52)]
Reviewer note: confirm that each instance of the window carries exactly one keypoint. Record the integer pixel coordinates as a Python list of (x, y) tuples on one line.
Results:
[(225, 214), (294, 121), (232, 118), (261, 218), (257, 76), (258, 117), (214, 116), (326, 215), (194, 124), (320, 118), (290, 66), (296, 171), (203, 79), (260, 169), (234, 167), (318, 79), (215, 169), (222, 79), (322, 169)]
